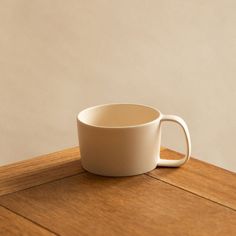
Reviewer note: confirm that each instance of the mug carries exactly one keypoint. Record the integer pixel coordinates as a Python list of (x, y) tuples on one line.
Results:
[(124, 139)]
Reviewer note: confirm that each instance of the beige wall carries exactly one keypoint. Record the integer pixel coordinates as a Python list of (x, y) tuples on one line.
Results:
[(58, 57)]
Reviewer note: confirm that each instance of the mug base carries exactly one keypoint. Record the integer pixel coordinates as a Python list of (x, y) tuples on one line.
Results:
[(104, 174)]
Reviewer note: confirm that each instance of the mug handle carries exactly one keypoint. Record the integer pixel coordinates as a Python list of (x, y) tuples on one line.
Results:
[(181, 122)]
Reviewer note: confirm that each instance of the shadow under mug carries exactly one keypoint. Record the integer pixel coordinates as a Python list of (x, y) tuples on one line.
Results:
[(124, 139)]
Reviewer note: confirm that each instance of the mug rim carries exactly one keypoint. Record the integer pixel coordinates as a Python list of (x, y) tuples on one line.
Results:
[(119, 127)]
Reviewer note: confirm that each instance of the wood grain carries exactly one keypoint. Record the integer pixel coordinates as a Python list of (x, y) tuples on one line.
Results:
[(39, 170), (12, 224), (86, 204), (201, 178)]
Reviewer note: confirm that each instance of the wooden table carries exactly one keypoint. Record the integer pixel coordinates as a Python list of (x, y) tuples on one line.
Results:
[(53, 195)]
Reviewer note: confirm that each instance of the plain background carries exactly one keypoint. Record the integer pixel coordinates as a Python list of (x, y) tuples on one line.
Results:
[(58, 57)]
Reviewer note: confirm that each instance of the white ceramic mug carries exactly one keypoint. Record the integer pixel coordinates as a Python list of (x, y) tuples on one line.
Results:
[(124, 139)]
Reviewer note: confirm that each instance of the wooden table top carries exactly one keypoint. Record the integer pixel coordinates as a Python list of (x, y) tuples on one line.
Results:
[(53, 195)]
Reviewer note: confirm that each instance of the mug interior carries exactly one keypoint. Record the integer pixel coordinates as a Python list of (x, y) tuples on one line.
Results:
[(118, 115)]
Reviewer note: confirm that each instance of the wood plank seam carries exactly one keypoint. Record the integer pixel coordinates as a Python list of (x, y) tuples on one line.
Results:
[(43, 183), (33, 222), (186, 190), (39, 170), (202, 178)]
